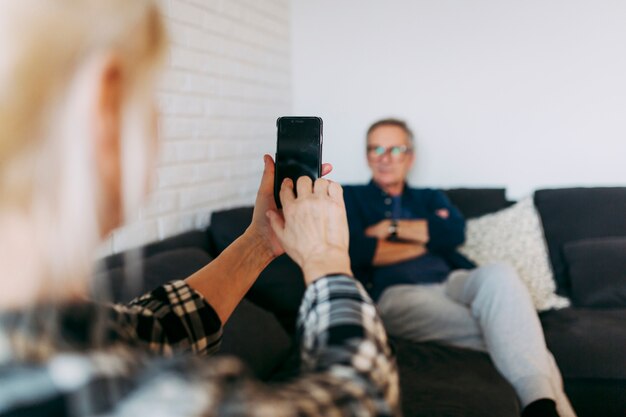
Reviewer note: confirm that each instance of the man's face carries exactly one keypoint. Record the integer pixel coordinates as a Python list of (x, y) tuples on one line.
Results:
[(385, 156)]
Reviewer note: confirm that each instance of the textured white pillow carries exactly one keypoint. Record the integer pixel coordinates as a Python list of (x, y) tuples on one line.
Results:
[(515, 235)]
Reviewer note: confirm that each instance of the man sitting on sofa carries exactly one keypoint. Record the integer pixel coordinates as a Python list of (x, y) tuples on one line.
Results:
[(402, 247)]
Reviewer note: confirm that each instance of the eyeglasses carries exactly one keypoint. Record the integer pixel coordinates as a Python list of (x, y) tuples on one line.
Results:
[(395, 152)]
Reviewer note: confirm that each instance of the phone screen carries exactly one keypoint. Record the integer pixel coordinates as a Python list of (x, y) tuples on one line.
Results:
[(298, 150)]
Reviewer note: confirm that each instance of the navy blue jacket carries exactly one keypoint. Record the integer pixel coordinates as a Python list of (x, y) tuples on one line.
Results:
[(367, 205)]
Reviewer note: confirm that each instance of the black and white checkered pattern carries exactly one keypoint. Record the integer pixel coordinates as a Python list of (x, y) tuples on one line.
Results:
[(146, 359)]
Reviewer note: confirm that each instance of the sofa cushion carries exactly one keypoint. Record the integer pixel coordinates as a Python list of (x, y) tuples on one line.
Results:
[(475, 202), (514, 236), (255, 336), (279, 289), (587, 343), (571, 214), (122, 285), (597, 270), (446, 381), (597, 397)]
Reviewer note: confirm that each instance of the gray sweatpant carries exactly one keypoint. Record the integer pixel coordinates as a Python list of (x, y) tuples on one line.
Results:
[(487, 309)]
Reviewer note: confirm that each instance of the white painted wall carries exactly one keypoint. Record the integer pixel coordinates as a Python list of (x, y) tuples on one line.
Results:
[(521, 94), (228, 78)]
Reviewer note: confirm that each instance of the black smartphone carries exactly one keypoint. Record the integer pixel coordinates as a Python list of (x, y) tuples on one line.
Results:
[(298, 150)]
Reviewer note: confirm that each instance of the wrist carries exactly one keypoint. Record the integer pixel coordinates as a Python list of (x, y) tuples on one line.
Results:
[(260, 244), (393, 230), (318, 267)]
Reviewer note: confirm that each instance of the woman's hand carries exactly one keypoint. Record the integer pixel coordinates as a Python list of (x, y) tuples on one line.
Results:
[(260, 227), (225, 280), (314, 228)]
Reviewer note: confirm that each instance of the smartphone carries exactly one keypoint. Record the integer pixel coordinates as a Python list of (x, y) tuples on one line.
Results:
[(298, 150)]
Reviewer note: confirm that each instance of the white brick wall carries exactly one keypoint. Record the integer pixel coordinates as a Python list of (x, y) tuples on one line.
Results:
[(228, 78)]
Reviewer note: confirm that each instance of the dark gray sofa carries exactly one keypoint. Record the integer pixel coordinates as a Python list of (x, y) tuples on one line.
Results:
[(584, 233)]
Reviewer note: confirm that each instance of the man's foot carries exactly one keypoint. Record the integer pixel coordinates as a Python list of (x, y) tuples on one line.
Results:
[(543, 407)]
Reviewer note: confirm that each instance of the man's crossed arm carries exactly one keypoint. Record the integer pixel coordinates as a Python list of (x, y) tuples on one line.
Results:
[(412, 238)]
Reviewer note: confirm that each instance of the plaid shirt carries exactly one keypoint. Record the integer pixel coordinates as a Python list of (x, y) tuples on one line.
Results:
[(87, 359)]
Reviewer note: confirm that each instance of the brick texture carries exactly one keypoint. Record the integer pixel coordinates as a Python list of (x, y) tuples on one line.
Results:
[(228, 78)]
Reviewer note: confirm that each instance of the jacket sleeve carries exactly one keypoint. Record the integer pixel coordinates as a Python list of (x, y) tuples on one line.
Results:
[(173, 318), (446, 225), (362, 248)]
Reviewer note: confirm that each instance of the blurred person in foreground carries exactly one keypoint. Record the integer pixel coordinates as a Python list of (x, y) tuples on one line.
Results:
[(403, 243), (77, 131)]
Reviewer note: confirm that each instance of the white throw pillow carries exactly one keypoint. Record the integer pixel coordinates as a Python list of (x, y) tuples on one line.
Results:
[(515, 235)]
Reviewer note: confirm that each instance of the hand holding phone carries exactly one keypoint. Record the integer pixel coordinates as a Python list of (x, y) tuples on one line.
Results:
[(298, 150)]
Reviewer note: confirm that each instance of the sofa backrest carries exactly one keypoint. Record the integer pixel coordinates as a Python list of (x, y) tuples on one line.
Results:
[(575, 214), (193, 239), (476, 202), (124, 282)]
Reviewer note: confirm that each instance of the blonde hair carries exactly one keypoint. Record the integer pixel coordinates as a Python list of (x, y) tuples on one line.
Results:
[(42, 43), (44, 162)]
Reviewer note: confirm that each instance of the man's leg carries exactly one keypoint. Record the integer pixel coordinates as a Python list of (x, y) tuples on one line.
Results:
[(424, 313), (502, 306)]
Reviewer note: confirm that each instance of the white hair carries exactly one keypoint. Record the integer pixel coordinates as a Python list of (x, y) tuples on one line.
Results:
[(46, 161)]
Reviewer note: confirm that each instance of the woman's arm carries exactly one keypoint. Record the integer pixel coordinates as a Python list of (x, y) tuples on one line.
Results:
[(225, 281), (348, 369), (188, 315)]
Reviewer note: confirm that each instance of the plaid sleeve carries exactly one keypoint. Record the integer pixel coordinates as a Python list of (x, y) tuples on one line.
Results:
[(171, 318), (348, 366)]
